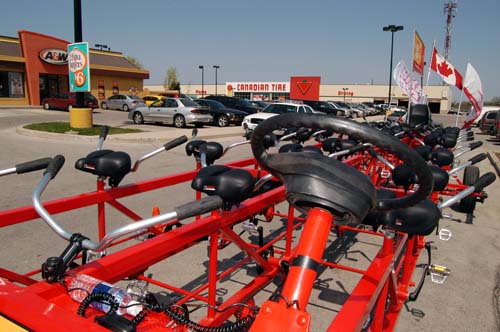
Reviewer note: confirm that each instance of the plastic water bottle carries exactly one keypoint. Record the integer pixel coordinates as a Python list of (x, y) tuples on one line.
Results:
[(82, 285)]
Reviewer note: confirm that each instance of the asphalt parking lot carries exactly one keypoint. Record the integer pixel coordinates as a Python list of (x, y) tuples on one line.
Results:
[(468, 301)]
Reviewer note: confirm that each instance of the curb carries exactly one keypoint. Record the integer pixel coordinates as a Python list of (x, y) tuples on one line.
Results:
[(116, 138)]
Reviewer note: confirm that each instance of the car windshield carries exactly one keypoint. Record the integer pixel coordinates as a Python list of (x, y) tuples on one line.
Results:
[(341, 104), (280, 109), (397, 114), (134, 97), (214, 104), (245, 102), (188, 102)]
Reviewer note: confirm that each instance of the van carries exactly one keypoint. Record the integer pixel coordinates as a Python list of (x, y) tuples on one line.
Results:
[(488, 122), (483, 111)]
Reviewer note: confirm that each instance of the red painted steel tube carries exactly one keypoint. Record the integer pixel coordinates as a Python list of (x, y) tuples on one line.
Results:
[(300, 279)]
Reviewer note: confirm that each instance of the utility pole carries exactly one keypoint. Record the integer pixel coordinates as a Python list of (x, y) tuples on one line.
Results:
[(449, 10)]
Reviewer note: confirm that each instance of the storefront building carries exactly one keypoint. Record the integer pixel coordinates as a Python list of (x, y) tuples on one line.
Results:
[(34, 66), (439, 97)]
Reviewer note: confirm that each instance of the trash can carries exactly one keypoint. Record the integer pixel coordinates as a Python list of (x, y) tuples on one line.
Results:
[(80, 118)]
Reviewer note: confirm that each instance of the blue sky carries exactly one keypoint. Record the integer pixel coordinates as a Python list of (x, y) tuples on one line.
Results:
[(341, 41)]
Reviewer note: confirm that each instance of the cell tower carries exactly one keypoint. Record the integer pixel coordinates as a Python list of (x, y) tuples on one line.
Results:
[(449, 10)]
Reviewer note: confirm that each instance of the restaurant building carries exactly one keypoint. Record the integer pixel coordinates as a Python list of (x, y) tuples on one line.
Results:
[(34, 66)]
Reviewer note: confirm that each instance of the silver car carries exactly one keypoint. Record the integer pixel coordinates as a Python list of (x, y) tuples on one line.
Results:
[(176, 111), (122, 102)]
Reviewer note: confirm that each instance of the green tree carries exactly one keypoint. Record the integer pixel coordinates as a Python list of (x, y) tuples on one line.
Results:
[(170, 82), (495, 101), (135, 61)]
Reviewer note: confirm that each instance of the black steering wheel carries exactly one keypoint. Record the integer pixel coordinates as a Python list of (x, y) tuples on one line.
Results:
[(319, 172)]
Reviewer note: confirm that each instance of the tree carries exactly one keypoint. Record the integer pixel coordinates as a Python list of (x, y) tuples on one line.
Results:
[(171, 82), (495, 101), (135, 61)]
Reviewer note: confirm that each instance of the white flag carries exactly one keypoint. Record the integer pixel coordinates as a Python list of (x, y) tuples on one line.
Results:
[(473, 89), (405, 81)]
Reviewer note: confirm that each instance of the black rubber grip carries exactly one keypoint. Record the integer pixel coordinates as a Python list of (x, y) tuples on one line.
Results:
[(469, 138), (475, 145), (484, 181), (470, 133), (195, 208), (176, 142), (357, 148), (54, 166), (478, 158), (104, 132), (33, 165)]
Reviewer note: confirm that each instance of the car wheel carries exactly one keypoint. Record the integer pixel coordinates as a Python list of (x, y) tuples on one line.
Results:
[(104, 106), (138, 118), (46, 106), (223, 121), (468, 204), (69, 107), (179, 121), (125, 108)]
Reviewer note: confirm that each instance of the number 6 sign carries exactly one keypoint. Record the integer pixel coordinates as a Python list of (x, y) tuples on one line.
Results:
[(78, 67)]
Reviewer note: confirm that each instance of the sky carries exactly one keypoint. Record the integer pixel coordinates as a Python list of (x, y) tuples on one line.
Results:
[(259, 40)]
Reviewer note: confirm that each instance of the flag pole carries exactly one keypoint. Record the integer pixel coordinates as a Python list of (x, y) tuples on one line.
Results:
[(461, 97)]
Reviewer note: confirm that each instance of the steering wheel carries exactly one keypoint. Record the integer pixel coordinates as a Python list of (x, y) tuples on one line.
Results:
[(329, 183)]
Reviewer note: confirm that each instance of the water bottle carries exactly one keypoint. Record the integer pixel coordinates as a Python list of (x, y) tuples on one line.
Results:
[(82, 285)]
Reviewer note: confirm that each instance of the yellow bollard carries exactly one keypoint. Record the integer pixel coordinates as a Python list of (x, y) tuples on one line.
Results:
[(80, 118)]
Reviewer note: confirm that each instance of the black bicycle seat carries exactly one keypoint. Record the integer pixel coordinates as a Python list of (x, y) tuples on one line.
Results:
[(233, 185), (376, 218), (419, 219), (193, 148), (108, 163), (442, 157), (441, 177), (331, 145), (212, 151)]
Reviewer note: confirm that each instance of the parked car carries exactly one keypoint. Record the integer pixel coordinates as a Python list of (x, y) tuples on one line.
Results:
[(366, 109), (488, 122), (150, 99), (176, 111), (251, 121), (67, 101), (396, 116), (122, 102), (258, 103), (236, 103), (348, 113), (354, 112), (222, 115), (483, 111), (324, 107)]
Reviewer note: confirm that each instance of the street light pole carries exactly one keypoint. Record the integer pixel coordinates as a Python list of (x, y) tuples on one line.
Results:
[(216, 67), (392, 28), (77, 17), (202, 83), (345, 91)]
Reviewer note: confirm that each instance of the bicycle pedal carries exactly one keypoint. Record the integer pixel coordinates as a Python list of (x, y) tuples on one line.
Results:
[(250, 227), (444, 234), (385, 174), (439, 273), (138, 289)]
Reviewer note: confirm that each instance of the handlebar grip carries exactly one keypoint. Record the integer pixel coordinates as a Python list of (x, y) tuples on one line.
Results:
[(469, 138), (357, 148), (33, 165), (176, 142), (478, 158), (484, 181), (55, 166), (104, 132), (195, 208), (475, 145)]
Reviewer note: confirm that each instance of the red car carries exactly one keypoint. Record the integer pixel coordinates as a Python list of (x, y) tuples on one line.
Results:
[(66, 102)]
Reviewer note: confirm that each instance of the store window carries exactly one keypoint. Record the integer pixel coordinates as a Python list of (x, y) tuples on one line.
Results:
[(281, 95), (245, 95), (11, 84)]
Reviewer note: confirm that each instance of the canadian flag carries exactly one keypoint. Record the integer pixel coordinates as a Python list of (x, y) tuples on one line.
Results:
[(473, 89), (449, 74)]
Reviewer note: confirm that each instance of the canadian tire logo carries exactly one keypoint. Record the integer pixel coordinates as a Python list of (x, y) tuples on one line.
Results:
[(304, 86)]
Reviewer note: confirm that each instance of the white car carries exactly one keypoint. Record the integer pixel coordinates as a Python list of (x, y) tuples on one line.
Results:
[(251, 121)]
